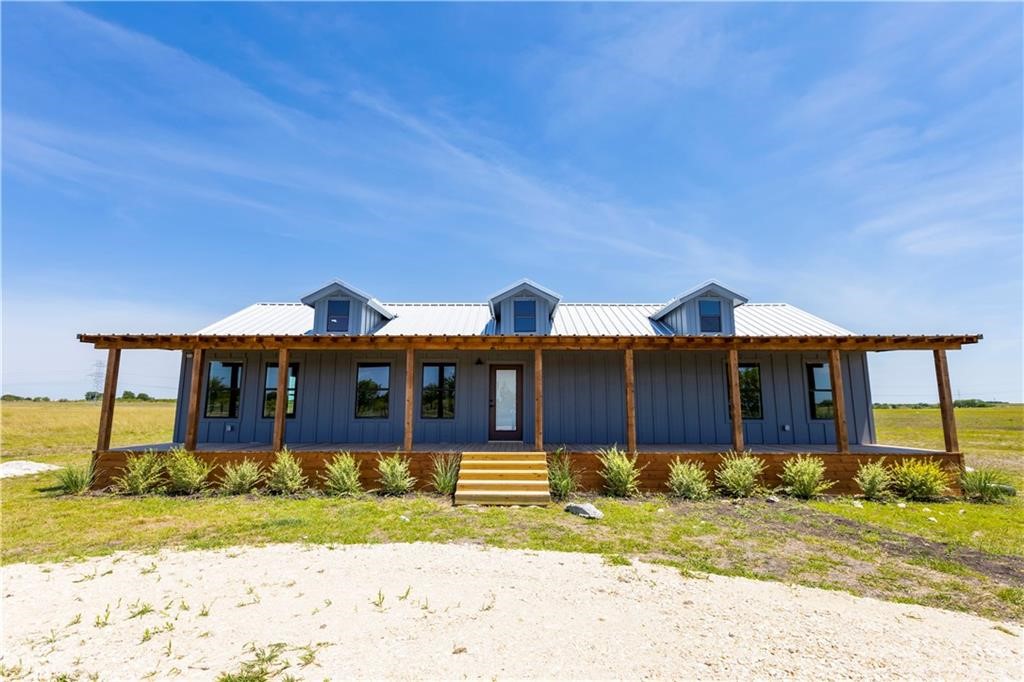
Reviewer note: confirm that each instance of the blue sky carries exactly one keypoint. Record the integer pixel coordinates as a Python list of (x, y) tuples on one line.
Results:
[(165, 165)]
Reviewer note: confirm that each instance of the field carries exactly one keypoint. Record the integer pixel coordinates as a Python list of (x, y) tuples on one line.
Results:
[(953, 555)]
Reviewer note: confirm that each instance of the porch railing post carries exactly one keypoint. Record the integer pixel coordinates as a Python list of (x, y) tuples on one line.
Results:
[(409, 368), (195, 388), (538, 399), (835, 369), (281, 400), (946, 401), (630, 401), (735, 405), (109, 397)]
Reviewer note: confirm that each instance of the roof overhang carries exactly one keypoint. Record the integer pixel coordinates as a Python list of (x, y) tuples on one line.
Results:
[(524, 286), (336, 287), (506, 342), (708, 288)]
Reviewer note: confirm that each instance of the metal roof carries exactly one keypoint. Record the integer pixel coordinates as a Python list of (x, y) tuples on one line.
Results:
[(570, 319)]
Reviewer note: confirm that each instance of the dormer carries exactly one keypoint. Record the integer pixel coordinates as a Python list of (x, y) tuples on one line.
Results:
[(705, 309), (339, 308), (524, 308)]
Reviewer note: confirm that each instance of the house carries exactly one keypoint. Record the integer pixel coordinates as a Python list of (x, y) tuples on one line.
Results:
[(525, 371)]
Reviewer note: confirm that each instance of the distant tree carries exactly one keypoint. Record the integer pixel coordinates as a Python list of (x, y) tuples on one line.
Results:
[(143, 396), (93, 395), (41, 399), (128, 395), (11, 396)]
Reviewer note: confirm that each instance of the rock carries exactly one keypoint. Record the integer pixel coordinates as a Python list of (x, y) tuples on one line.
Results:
[(459, 650), (771, 499), (660, 511), (858, 504), (901, 505), (403, 517), (933, 519), (587, 510)]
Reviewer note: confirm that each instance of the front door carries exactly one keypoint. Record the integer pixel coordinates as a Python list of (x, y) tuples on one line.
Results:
[(506, 421)]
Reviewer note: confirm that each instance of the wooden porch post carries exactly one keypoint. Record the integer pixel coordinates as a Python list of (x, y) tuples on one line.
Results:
[(281, 401), (538, 400), (835, 369), (630, 401), (195, 389), (409, 367), (735, 406), (946, 402), (109, 396)]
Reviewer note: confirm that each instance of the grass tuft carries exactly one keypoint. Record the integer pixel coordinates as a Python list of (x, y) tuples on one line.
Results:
[(920, 480), (285, 476), (562, 478), (186, 473), (873, 479), (341, 476), (619, 471), (803, 477), (393, 475), (143, 474), (688, 480), (986, 485), (445, 473), (241, 478), (739, 474), (76, 480)]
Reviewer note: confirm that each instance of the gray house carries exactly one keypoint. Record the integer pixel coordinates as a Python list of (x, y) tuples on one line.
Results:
[(525, 371)]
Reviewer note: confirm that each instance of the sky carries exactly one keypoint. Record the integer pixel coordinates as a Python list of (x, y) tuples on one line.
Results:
[(166, 165)]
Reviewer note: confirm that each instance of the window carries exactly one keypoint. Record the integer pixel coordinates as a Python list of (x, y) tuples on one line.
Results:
[(223, 389), (438, 398), (819, 389), (524, 316), (750, 391), (372, 390), (337, 316), (270, 390), (710, 316)]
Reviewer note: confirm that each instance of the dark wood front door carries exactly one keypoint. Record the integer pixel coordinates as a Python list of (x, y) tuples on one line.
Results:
[(506, 403)]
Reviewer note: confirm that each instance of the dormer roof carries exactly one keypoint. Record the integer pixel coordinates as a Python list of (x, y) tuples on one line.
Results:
[(524, 286), (337, 287), (707, 288)]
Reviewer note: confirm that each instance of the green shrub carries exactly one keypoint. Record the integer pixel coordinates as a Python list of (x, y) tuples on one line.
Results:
[(985, 485), (919, 479), (619, 472), (562, 478), (394, 476), (341, 475), (142, 474), (186, 473), (688, 480), (76, 480), (445, 473), (241, 478), (874, 480), (803, 476), (285, 476), (739, 474)]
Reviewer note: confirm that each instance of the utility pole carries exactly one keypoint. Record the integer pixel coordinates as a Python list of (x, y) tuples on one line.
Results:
[(98, 374)]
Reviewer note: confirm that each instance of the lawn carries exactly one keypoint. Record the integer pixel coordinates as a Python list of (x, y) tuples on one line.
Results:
[(971, 560)]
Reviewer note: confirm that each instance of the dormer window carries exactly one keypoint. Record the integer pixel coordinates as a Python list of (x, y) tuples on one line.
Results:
[(337, 316), (524, 316), (710, 316)]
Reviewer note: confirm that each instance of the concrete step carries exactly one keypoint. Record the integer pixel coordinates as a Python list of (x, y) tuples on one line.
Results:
[(513, 484), (501, 497)]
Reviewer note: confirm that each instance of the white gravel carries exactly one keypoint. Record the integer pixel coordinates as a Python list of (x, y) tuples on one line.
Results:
[(453, 611), (23, 467)]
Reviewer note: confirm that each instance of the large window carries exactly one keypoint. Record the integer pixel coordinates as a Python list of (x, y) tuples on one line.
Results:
[(223, 389), (270, 390), (337, 316), (524, 316), (373, 382), (710, 316), (438, 398), (750, 392), (819, 389)]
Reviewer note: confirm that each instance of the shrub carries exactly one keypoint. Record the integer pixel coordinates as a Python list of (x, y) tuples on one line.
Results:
[(873, 479), (739, 474), (445, 474), (803, 476), (985, 485), (394, 476), (285, 476), (186, 473), (562, 478), (241, 478), (76, 480), (688, 480), (919, 479), (619, 472), (341, 475), (142, 474)]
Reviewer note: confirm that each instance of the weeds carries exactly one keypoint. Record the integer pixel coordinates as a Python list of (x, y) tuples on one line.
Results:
[(103, 619), (341, 476), (688, 480), (619, 471)]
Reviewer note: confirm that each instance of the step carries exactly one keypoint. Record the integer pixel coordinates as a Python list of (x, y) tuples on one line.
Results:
[(502, 464), (502, 484), (502, 497), (506, 455), (474, 474)]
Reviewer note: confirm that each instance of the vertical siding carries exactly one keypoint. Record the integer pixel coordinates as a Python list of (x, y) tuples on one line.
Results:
[(584, 397), (685, 319), (506, 324)]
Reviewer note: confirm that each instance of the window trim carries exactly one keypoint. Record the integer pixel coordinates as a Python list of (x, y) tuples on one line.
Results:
[(206, 387), (536, 325), (811, 389), (327, 316), (760, 393), (440, 364), (263, 403), (355, 388), (721, 316)]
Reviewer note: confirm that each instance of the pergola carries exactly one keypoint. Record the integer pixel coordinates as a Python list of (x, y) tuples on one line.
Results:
[(199, 344)]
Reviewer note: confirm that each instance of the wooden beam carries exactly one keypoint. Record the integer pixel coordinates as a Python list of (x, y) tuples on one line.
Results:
[(835, 369), (630, 401), (538, 400), (735, 405), (109, 397), (410, 364), (946, 402), (195, 389), (281, 402)]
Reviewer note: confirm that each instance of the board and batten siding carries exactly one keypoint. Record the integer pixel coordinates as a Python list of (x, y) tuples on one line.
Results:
[(685, 319), (506, 322)]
